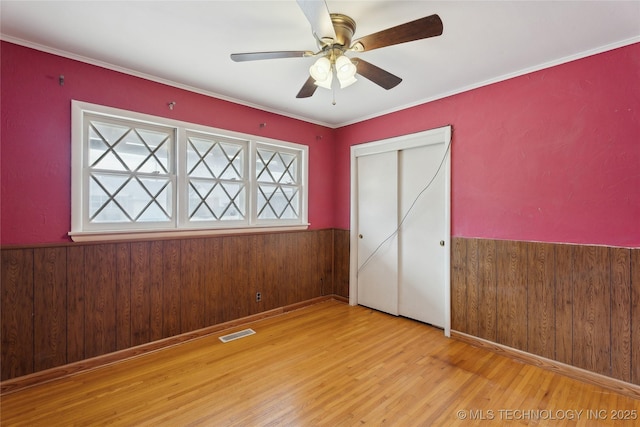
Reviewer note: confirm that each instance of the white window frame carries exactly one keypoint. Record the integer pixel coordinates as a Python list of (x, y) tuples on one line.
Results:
[(180, 226)]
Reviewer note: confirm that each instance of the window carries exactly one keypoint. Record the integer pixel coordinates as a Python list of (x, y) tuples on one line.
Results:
[(134, 174)]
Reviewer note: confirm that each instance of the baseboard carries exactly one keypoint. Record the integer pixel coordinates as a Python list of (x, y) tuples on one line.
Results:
[(41, 377), (613, 384)]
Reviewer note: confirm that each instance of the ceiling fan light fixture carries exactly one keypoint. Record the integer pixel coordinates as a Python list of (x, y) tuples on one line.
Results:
[(345, 71), (346, 82), (344, 67), (321, 69), (325, 83)]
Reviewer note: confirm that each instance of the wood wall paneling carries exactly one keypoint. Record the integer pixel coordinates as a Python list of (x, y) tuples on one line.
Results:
[(271, 264), (123, 296), (239, 269), (592, 310), (473, 287), (621, 313), (511, 294), (50, 308), (341, 243), (155, 292), (92, 299), (458, 284), (171, 283), (576, 304), (541, 300), (75, 303), (141, 284), (325, 260), (564, 303), (100, 299), (192, 284), (635, 316), (487, 290), (17, 313), (213, 273)]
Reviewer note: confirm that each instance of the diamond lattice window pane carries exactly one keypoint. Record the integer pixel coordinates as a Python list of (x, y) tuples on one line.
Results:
[(276, 202), (120, 148), (235, 209), (234, 167), (160, 207), (110, 212), (197, 150), (263, 164), (101, 155), (276, 167), (210, 201), (158, 149)]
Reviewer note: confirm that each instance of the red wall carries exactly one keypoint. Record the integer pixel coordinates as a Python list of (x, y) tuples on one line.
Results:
[(36, 134), (551, 156)]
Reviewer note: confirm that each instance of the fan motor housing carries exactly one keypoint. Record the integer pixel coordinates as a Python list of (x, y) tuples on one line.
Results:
[(344, 27)]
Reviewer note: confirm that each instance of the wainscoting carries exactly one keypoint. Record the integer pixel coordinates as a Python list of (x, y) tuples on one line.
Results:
[(69, 302), (576, 304)]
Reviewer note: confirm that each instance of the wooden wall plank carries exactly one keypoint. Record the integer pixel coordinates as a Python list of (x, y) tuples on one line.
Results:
[(341, 244), (17, 313), (75, 303), (214, 278), (564, 304), (458, 284), (271, 269), (192, 254), (171, 284), (511, 294), (592, 311), (240, 287), (100, 297), (123, 296), (140, 288), (325, 259), (473, 287), (487, 290), (155, 291), (620, 313), (50, 308), (308, 258), (635, 316), (541, 322)]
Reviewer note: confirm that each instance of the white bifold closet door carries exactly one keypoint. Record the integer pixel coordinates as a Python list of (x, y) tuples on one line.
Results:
[(402, 235)]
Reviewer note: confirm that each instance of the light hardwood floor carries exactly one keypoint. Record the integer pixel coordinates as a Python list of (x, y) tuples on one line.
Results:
[(328, 364)]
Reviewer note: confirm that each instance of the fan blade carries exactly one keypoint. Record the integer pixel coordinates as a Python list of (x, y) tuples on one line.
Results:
[(255, 56), (308, 88), (429, 26), (317, 14), (376, 74)]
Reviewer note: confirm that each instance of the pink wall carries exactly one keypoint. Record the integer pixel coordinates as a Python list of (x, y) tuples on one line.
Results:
[(551, 156), (36, 134)]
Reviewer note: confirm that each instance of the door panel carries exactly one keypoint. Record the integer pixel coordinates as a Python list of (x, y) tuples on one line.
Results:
[(421, 264), (377, 215)]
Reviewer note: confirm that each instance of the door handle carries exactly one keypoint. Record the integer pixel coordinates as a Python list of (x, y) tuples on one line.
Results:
[(360, 236), (441, 242)]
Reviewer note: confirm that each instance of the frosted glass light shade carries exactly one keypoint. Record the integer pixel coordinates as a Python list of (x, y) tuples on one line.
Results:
[(321, 72), (345, 71)]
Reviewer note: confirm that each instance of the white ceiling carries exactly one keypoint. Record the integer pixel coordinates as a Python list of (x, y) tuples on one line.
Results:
[(188, 43)]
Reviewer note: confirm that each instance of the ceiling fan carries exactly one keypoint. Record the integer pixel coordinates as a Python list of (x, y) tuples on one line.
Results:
[(333, 33)]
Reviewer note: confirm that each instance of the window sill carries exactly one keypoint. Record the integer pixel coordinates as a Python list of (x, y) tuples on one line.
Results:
[(104, 236)]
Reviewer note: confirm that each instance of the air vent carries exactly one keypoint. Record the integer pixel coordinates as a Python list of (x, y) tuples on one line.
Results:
[(237, 335)]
